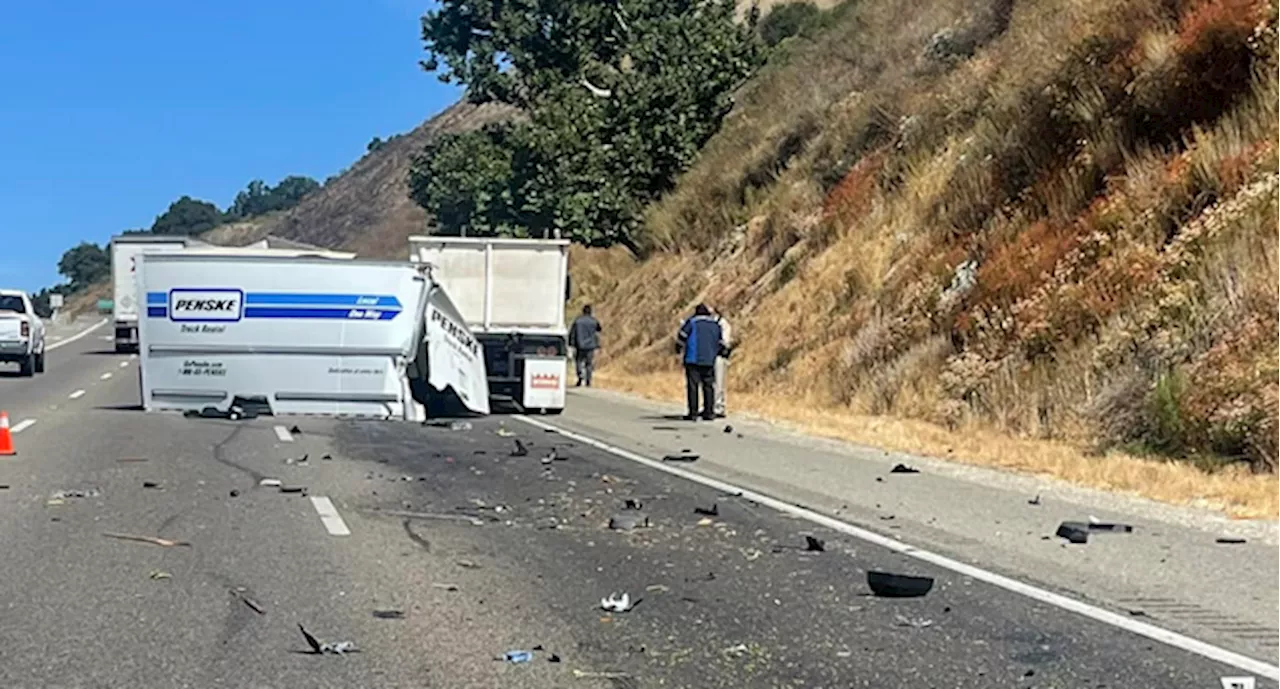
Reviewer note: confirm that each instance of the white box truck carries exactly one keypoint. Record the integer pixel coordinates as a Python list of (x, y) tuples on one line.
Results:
[(512, 294), (226, 332), (124, 285)]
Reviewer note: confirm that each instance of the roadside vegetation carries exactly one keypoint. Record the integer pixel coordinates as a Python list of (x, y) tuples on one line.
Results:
[(1051, 221)]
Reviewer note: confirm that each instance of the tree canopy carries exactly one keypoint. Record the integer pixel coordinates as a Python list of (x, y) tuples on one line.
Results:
[(187, 216), (84, 264), (620, 97), (259, 198)]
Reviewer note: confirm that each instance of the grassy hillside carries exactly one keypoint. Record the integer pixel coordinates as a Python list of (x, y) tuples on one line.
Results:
[(1049, 220)]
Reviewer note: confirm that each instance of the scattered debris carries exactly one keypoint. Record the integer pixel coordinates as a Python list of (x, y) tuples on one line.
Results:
[(318, 647), (300, 460), (705, 521), (1229, 540), (517, 657), (713, 511), (913, 622), (504, 433), (553, 658), (158, 574), (1075, 532), (903, 469), (294, 430), (292, 489), (750, 553), (657, 588), (4, 486), (460, 426), (889, 585), (150, 484), (446, 587), (814, 545), (550, 457), (627, 522), (162, 542), (270, 482), (1109, 526), (389, 614), (632, 504), (75, 493), (468, 564), (249, 602), (682, 457), (234, 493), (616, 603), (520, 450), (584, 674), (736, 651), (1137, 613), (728, 429), (1035, 500), (132, 460)]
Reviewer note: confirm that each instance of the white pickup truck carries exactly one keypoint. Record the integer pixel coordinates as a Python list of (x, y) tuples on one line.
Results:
[(21, 332)]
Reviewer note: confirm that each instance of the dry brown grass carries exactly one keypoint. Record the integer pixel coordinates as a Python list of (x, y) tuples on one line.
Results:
[(1106, 167)]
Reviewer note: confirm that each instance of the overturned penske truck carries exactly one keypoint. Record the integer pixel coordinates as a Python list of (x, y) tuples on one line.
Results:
[(257, 334)]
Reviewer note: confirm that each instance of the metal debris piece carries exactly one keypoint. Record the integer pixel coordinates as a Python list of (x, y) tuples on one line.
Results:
[(504, 433), (162, 542), (814, 545), (270, 482), (158, 574), (1035, 500), (682, 457), (585, 674), (713, 511), (460, 426), (150, 484), (520, 450), (705, 521), (1227, 540), (913, 622), (132, 460), (736, 651), (517, 657), (632, 504), (1075, 532), (1110, 526), (615, 603), (318, 647), (292, 489), (389, 614), (627, 522), (446, 587), (75, 493), (903, 469), (249, 602)]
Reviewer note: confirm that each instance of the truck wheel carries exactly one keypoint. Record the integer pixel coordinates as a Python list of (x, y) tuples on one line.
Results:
[(26, 367), (39, 363)]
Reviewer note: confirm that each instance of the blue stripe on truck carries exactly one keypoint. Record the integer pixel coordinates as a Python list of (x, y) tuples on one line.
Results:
[(157, 311), (305, 299), (157, 298), (345, 314)]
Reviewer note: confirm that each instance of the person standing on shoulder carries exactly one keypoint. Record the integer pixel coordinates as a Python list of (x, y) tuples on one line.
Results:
[(699, 340), (584, 338), (722, 363)]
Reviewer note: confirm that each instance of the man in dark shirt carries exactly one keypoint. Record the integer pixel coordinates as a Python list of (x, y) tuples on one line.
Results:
[(701, 341), (584, 337)]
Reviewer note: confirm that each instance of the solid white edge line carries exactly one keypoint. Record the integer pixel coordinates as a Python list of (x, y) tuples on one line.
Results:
[(1150, 631), (283, 434), (329, 516), (77, 336), (76, 395), (105, 376), (22, 425)]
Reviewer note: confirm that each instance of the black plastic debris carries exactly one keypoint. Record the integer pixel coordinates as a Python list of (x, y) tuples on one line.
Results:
[(292, 489), (1075, 532), (520, 450), (4, 486), (294, 430), (389, 614), (150, 484), (1230, 541), (889, 585), (1035, 500), (318, 647), (713, 511), (728, 429), (814, 545), (249, 602), (632, 504), (326, 456), (553, 658), (234, 493), (1110, 527), (682, 457), (903, 469)]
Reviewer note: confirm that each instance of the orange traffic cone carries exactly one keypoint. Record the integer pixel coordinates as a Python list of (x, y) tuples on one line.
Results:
[(6, 438)]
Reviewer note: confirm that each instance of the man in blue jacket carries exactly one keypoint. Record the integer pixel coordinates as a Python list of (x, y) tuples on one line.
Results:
[(700, 339)]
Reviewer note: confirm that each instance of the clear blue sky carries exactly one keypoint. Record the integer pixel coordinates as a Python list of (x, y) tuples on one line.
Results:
[(111, 110)]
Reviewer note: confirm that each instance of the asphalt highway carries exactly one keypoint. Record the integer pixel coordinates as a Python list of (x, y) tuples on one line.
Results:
[(434, 551)]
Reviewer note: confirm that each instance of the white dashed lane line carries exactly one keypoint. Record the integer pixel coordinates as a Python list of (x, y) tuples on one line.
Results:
[(105, 376), (22, 425), (76, 395), (329, 516), (283, 434)]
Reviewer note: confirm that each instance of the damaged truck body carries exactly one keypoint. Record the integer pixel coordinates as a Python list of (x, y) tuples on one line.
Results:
[(301, 335)]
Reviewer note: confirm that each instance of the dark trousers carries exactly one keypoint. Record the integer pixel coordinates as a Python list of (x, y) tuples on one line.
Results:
[(700, 378), (585, 362)]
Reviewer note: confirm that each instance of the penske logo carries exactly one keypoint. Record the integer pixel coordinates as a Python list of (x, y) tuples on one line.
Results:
[(206, 305), (458, 333)]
